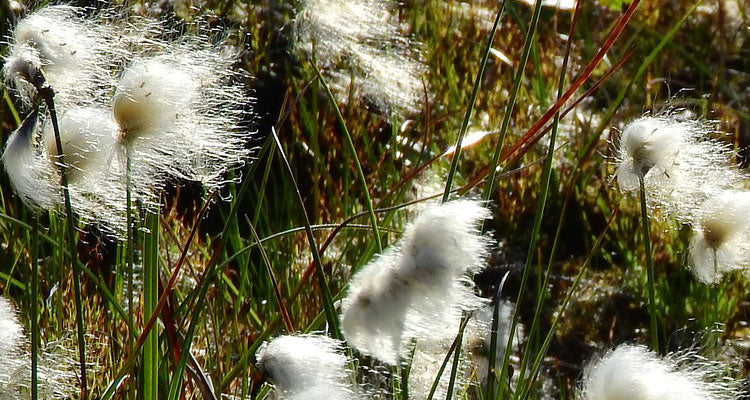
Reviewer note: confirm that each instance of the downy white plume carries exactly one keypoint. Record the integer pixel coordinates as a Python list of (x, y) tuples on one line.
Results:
[(634, 373), (75, 54), (418, 285), (680, 165), (367, 35), (475, 354), (721, 236), (310, 367), (174, 112), (56, 378)]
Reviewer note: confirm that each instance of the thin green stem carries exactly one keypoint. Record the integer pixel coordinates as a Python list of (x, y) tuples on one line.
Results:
[(649, 267), (472, 101), (150, 298), (48, 96), (353, 151), (489, 186), (35, 309), (456, 356)]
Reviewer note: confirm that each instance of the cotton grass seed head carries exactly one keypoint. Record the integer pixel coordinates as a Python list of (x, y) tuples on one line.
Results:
[(634, 373), (679, 163), (55, 376), (721, 236), (307, 367), (75, 53), (31, 174), (363, 40), (418, 284)]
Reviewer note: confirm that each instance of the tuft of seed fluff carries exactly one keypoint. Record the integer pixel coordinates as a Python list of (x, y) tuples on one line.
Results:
[(55, 375), (32, 176), (364, 41), (680, 164), (307, 367), (73, 52), (721, 236), (632, 372), (418, 285)]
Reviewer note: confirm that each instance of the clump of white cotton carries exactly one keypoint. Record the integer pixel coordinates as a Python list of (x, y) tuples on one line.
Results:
[(307, 367), (721, 236), (418, 285), (366, 35), (176, 110), (73, 52), (635, 373), (679, 164), (32, 176), (56, 378)]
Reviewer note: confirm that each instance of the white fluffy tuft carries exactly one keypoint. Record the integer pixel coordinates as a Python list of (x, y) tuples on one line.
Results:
[(721, 236), (366, 35), (634, 373), (418, 284), (56, 378), (307, 367), (680, 165)]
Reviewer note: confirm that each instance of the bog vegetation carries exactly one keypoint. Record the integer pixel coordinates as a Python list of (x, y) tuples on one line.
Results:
[(372, 199)]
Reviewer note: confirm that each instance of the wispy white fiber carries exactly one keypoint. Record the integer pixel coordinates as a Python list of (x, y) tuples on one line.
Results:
[(307, 367), (633, 372), (75, 54), (175, 110), (721, 236), (680, 165), (366, 36), (430, 352), (418, 285), (56, 378)]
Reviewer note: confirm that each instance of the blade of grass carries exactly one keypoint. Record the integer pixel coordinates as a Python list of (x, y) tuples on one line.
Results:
[(649, 268), (276, 291), (151, 355), (454, 345), (325, 292), (489, 186), (48, 95), (456, 356), (568, 295), (472, 101), (34, 296), (488, 189), (353, 151), (546, 177)]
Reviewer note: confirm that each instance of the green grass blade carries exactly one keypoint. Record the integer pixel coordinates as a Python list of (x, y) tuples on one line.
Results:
[(151, 356), (353, 151), (489, 186), (649, 268), (470, 108)]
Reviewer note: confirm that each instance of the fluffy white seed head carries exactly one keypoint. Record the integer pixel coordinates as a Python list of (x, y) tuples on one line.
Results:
[(419, 284), (32, 175), (680, 165), (56, 378), (721, 236), (634, 373), (307, 367), (366, 39), (73, 52)]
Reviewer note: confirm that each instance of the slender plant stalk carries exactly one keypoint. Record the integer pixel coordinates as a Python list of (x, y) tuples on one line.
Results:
[(48, 94), (130, 257), (35, 309), (456, 356), (150, 298), (455, 345), (560, 314), (489, 186), (472, 101), (353, 151), (649, 267), (546, 177)]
